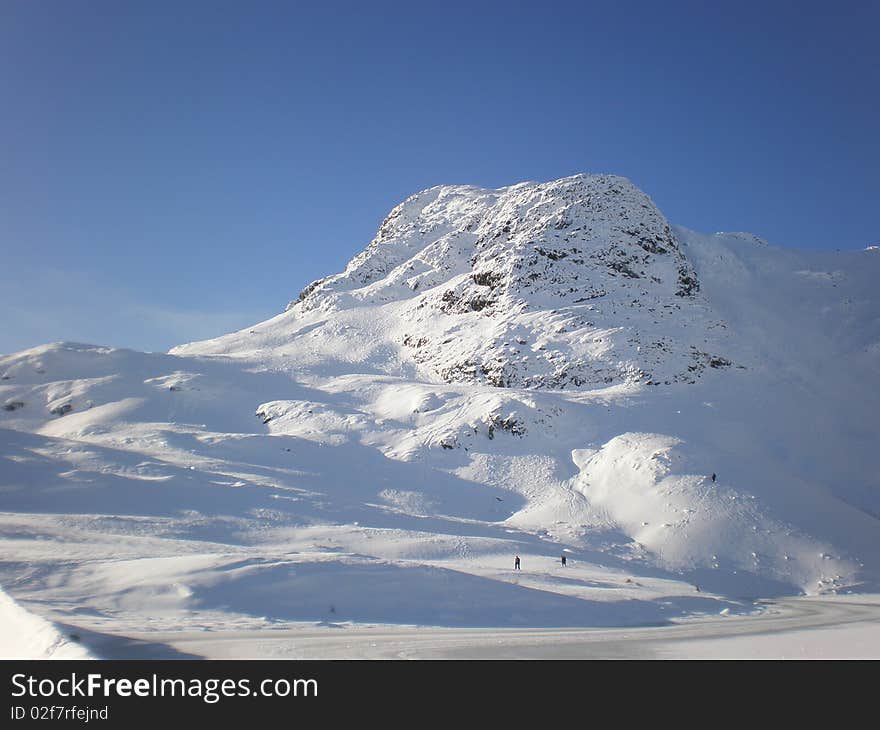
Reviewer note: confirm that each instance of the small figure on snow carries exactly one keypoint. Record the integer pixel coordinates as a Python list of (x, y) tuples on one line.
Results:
[(516, 563), (563, 560), (713, 476)]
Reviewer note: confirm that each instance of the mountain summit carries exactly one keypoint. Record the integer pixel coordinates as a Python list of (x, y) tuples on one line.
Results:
[(553, 243), (572, 283)]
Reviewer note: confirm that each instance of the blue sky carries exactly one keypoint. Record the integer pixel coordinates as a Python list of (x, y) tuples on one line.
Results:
[(173, 170)]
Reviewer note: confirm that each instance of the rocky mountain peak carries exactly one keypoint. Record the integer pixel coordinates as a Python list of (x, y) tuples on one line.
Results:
[(557, 284), (513, 240)]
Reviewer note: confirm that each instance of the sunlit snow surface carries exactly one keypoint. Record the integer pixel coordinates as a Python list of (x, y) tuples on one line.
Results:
[(380, 452)]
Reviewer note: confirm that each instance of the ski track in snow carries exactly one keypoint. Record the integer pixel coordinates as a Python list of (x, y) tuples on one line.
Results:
[(806, 628)]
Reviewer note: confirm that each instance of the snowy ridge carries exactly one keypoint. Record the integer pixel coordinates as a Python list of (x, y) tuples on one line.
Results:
[(542, 369)]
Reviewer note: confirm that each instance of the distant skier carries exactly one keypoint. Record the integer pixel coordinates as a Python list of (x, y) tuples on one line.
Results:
[(563, 561), (713, 476), (516, 563)]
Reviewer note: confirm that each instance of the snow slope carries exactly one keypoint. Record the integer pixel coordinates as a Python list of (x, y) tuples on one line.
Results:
[(539, 369), (24, 635)]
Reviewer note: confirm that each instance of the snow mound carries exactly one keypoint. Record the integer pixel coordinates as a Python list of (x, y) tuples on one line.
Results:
[(651, 490)]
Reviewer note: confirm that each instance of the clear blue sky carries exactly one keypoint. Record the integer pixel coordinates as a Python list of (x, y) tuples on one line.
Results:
[(173, 170)]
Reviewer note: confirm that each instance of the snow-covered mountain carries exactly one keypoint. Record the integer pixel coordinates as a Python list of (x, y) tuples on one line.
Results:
[(537, 286), (538, 369), (566, 284)]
